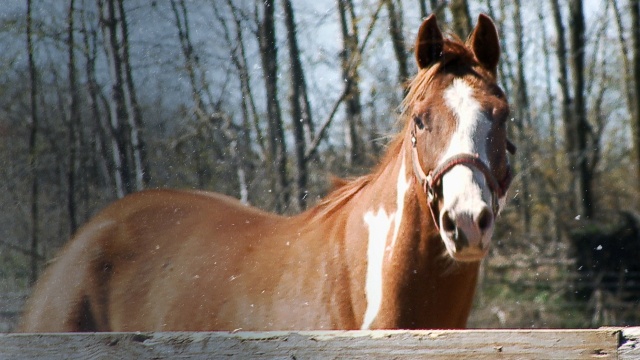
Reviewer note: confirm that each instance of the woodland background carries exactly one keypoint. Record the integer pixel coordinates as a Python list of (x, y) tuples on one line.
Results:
[(262, 100)]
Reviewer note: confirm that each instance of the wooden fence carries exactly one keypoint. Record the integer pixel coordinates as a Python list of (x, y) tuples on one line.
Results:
[(604, 343)]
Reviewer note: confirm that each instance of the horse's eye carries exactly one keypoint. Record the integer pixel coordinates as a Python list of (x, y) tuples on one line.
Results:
[(423, 119), (417, 119)]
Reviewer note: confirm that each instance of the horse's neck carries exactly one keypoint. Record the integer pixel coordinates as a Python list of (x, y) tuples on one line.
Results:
[(399, 270)]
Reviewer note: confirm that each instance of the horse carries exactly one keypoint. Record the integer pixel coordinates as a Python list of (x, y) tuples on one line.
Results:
[(398, 248)]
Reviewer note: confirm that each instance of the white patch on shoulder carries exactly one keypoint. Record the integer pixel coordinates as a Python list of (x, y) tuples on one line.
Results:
[(402, 187), (379, 224)]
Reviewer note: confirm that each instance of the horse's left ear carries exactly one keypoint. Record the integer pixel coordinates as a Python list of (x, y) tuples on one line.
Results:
[(485, 44)]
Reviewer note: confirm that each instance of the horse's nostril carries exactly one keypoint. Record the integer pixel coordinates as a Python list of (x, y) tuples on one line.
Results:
[(448, 224), (484, 219)]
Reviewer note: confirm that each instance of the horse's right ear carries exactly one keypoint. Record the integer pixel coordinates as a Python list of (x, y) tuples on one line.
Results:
[(429, 43)]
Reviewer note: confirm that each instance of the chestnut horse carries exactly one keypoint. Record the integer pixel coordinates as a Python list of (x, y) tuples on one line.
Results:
[(398, 248)]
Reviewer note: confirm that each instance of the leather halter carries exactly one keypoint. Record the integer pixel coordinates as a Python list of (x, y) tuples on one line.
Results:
[(431, 181)]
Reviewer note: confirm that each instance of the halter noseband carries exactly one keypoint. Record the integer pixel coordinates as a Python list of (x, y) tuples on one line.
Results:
[(431, 181)]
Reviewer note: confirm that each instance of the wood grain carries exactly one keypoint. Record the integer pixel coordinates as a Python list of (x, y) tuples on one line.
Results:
[(606, 343)]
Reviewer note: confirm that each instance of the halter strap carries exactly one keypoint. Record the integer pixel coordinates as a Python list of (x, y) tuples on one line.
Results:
[(432, 180)]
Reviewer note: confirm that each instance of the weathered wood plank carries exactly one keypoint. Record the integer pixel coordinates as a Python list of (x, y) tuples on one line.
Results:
[(400, 344), (630, 344)]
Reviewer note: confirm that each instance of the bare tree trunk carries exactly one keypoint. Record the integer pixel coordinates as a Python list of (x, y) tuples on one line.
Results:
[(552, 193), (95, 98), (461, 17), (563, 81), (437, 7), (635, 122), (523, 120), (120, 145), (74, 122), (423, 8), (249, 111), (134, 114), (582, 177), (277, 146), (33, 152), (202, 111), (394, 7), (129, 156), (627, 80), (300, 109), (350, 57), (191, 62), (240, 138)]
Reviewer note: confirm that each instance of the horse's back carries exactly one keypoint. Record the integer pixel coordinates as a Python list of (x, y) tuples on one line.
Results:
[(140, 259)]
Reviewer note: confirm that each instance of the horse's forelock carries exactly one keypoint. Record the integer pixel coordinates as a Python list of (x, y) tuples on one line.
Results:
[(454, 50)]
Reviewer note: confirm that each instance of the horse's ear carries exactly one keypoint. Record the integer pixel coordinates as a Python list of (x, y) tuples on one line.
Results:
[(485, 43), (429, 43)]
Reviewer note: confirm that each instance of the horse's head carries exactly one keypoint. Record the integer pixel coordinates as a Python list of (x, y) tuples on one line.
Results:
[(457, 114)]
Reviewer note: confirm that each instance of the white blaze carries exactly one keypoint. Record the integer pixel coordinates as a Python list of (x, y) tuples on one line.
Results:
[(461, 190), (379, 224)]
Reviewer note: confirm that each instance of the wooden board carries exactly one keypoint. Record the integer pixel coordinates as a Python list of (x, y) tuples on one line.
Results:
[(629, 344), (606, 343)]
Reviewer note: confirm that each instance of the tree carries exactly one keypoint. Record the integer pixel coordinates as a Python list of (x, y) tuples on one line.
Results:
[(33, 145), (580, 129), (394, 8), (521, 106), (635, 122), (125, 118), (74, 121), (349, 59), (300, 108), (461, 17), (277, 145)]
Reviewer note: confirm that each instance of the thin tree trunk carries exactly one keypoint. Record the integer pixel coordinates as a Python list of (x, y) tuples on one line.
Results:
[(522, 122), (33, 153), (349, 57), (74, 122), (120, 145), (101, 128), (182, 25), (134, 114), (563, 81), (461, 17), (300, 109), (582, 178), (627, 80), (635, 122), (397, 39), (504, 68), (249, 110), (192, 66), (423, 8), (277, 146), (437, 8), (552, 194)]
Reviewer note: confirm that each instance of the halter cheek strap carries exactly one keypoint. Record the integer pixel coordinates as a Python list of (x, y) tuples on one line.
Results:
[(431, 181)]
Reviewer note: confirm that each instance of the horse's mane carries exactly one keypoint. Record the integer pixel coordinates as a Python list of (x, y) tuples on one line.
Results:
[(454, 52)]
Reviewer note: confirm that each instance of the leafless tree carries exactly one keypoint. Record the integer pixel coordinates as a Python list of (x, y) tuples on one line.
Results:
[(74, 120), (125, 118), (300, 109), (276, 140), (33, 145), (461, 17), (394, 8), (580, 128), (349, 58), (635, 40)]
